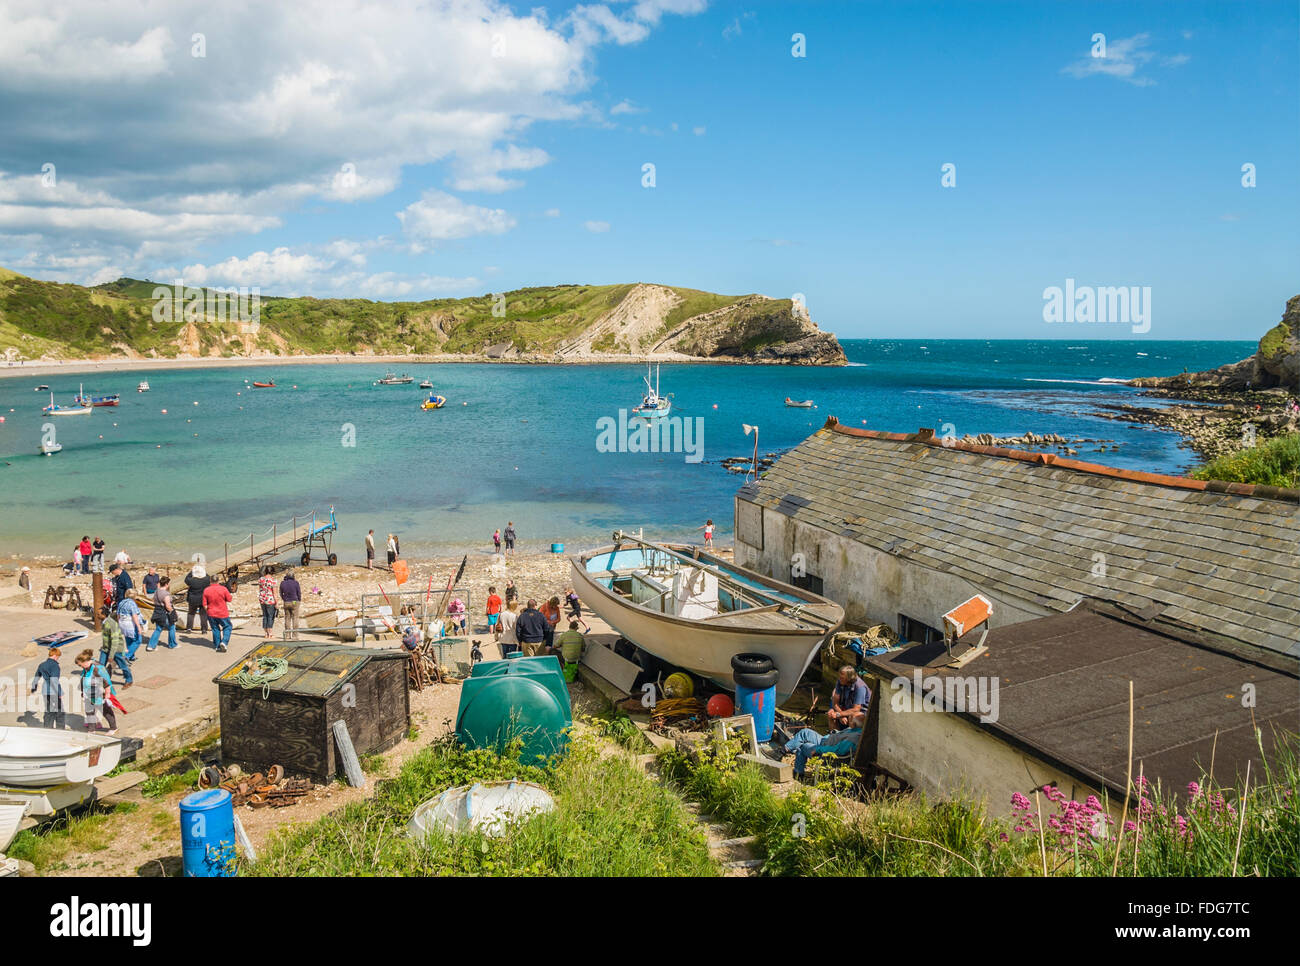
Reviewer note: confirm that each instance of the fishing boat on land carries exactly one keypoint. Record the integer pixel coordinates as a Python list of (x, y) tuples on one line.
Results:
[(93, 400), (143, 387), (434, 402), (392, 379), (54, 409), (264, 385), (696, 611), (36, 757), (653, 405), (331, 620), (490, 807), (796, 404)]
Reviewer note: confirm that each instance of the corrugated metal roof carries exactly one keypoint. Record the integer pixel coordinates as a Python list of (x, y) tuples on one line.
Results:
[(315, 670), (1226, 565)]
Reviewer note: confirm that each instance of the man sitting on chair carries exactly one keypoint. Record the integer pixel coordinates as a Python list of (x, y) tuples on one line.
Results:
[(808, 743), (850, 697)]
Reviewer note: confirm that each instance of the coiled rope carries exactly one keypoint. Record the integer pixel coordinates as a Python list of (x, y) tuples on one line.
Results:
[(265, 670)]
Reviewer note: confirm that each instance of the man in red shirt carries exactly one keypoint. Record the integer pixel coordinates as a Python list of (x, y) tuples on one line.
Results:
[(494, 612), (215, 599)]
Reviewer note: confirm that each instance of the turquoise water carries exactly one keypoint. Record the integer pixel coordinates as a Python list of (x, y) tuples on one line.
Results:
[(514, 442)]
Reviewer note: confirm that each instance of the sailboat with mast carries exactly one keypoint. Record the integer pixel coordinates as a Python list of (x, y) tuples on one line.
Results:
[(654, 405)]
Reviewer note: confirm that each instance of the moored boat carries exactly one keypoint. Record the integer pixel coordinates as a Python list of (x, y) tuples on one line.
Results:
[(653, 405), (93, 400), (696, 611), (392, 379), (143, 386), (427, 384), (796, 404), (35, 757), (264, 385), (49, 447), (54, 409), (434, 402)]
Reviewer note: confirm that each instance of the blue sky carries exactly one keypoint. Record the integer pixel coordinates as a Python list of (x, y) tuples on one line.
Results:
[(386, 152)]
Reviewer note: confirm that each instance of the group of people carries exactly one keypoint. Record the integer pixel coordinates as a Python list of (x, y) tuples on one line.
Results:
[(88, 557), (99, 697), (532, 629), (393, 549)]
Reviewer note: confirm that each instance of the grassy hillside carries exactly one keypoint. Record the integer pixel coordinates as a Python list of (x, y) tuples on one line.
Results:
[(122, 318)]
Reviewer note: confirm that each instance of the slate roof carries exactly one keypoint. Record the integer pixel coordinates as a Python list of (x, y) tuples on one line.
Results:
[(1063, 693), (1219, 559)]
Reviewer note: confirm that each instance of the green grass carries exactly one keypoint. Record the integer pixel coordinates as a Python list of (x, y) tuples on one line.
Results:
[(817, 832), (159, 786), (610, 820), (1275, 462), (47, 846)]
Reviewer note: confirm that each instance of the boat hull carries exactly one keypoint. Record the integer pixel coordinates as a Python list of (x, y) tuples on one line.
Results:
[(696, 645), (38, 757)]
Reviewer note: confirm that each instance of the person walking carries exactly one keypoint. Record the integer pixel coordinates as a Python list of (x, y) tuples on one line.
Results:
[(97, 555), (131, 621), (392, 551), (531, 629), (96, 684), (216, 601), (493, 612), (512, 592), (551, 611), (575, 606), (708, 534), (87, 552), (291, 594), (510, 538), (370, 550), (48, 678), (196, 582), (112, 647), (164, 615), (266, 598), (496, 540)]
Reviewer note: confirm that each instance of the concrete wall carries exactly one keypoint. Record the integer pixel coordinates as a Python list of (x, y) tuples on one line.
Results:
[(945, 756), (872, 586)]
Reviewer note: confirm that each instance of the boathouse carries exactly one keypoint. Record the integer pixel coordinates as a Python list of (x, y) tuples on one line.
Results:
[(900, 528), (1096, 577), (1048, 704)]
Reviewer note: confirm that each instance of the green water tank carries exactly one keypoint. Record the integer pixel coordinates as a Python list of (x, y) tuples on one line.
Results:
[(526, 697)]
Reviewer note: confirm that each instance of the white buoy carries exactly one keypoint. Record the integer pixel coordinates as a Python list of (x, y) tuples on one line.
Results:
[(164, 412)]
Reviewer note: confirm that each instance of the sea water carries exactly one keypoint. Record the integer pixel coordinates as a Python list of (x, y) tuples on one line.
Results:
[(515, 443)]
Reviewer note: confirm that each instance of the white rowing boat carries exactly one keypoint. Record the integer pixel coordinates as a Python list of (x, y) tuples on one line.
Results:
[(37, 757), (490, 807), (696, 611)]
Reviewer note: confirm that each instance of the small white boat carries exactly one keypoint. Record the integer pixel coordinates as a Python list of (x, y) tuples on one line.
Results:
[(798, 404), (54, 409), (392, 379), (427, 384), (379, 622), (37, 757), (490, 807), (697, 611), (50, 448), (143, 387)]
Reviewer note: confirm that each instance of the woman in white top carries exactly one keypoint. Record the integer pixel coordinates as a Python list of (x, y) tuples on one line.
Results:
[(392, 550), (508, 641)]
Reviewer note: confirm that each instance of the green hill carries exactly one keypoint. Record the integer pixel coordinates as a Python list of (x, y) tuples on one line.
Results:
[(124, 319)]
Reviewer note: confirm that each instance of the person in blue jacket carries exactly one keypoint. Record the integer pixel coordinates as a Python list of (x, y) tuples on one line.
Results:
[(47, 679)]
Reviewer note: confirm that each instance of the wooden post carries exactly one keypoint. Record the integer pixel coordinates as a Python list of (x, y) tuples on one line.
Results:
[(348, 754), (275, 536), (97, 596)]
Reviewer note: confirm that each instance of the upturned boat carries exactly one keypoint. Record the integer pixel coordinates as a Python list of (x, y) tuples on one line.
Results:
[(653, 405), (54, 409), (37, 757), (696, 611)]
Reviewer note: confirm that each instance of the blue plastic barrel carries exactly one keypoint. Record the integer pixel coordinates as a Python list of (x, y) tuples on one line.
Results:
[(208, 834), (557, 548), (762, 705)]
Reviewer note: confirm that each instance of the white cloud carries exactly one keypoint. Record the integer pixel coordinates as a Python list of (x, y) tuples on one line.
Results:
[(438, 216), (285, 96), (552, 212), (1124, 61), (626, 107), (698, 131), (596, 227)]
